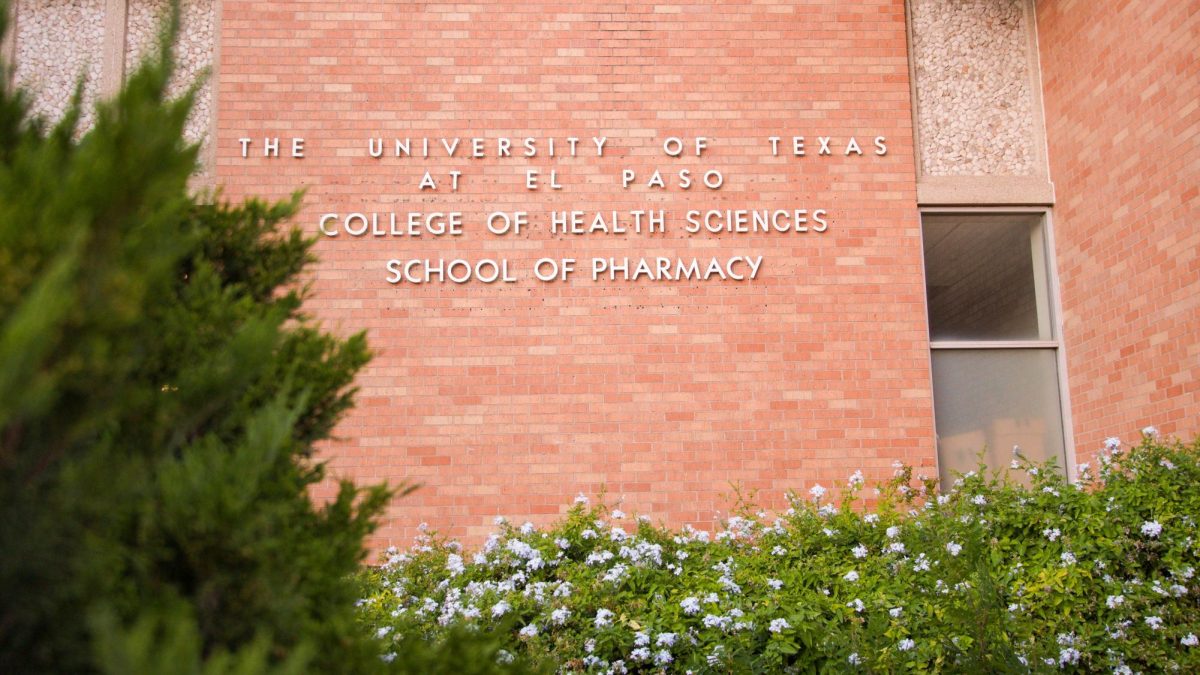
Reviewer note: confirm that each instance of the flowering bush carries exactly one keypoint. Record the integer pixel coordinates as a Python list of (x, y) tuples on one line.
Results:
[(992, 575)]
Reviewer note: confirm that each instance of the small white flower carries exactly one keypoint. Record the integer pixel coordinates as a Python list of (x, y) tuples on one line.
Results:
[(906, 645), (662, 657), (528, 631), (640, 654), (618, 514), (1155, 622), (588, 534), (388, 657), (1115, 601), (1052, 534), (641, 639), (1190, 640), (896, 547), (1150, 431), (1112, 443), (562, 543), (665, 640), (817, 491), (856, 479), (856, 604), (775, 584), (1068, 656), (854, 659), (859, 551), (954, 548), (852, 575), (779, 550), (527, 528), (1068, 558), (500, 609), (1014, 465), (895, 612), (454, 564), (560, 615), (690, 606), (383, 632), (1151, 528), (893, 532), (871, 518), (778, 625), (581, 498), (979, 500), (499, 520), (603, 618)]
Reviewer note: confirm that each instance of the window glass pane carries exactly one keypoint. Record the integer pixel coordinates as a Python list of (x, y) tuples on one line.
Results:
[(991, 400), (985, 277)]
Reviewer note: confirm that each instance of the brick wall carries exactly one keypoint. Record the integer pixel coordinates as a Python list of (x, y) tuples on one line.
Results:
[(511, 398), (1122, 95)]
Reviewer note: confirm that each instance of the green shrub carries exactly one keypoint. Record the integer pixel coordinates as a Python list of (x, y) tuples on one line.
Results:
[(160, 397), (992, 576)]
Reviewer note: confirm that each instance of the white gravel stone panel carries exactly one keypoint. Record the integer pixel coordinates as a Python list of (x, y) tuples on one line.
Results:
[(58, 42), (974, 101), (193, 51)]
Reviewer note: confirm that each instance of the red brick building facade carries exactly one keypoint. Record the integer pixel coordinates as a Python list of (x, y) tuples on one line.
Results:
[(792, 321)]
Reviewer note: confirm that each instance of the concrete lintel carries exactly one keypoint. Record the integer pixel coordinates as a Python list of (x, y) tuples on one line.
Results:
[(985, 191)]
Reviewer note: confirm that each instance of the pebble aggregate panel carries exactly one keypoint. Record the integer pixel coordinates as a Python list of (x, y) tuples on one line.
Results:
[(59, 42), (193, 52), (974, 104), (511, 398)]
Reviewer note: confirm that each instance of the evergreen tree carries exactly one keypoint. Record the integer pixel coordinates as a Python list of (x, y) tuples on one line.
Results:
[(161, 392)]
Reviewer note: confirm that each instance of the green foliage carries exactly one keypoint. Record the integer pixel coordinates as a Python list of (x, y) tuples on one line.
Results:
[(992, 576), (160, 399)]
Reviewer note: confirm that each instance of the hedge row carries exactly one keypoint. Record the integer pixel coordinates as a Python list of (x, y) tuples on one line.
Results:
[(995, 574)]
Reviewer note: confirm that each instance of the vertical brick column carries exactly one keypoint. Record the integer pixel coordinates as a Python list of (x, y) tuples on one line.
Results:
[(1121, 89)]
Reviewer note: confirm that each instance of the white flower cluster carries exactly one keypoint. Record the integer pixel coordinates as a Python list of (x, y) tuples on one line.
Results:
[(517, 575), (603, 618)]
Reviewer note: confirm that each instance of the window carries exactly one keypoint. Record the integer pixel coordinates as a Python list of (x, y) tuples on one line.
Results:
[(996, 360)]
